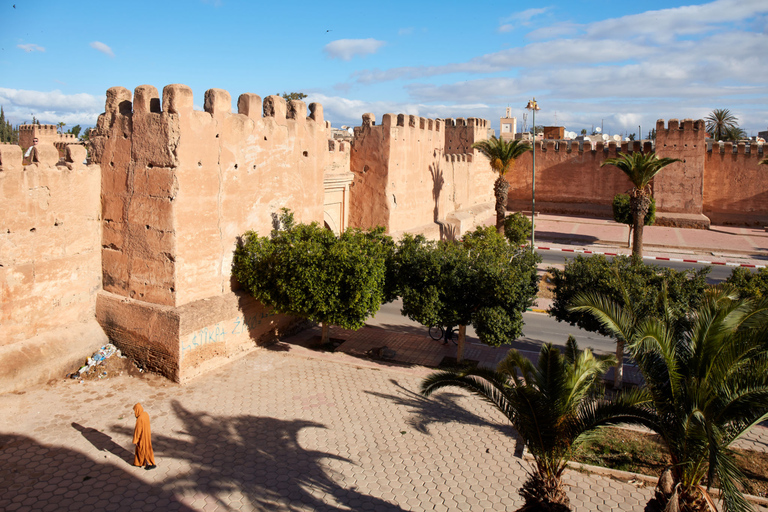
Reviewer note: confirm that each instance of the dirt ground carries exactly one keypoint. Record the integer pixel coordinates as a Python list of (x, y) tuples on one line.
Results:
[(546, 287), (111, 367), (639, 452)]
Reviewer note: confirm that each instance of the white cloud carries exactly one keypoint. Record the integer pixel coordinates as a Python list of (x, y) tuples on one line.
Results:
[(346, 49), (101, 47), (30, 47), (51, 106)]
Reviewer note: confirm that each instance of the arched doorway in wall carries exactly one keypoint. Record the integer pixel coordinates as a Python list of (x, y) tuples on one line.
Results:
[(329, 223)]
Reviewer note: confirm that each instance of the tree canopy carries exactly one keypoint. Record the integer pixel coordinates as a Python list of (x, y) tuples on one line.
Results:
[(307, 271), (721, 123), (288, 96), (481, 281)]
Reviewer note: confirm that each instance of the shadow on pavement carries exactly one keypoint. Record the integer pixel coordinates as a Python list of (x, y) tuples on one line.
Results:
[(554, 236), (258, 457), (45, 477), (103, 442), (441, 407)]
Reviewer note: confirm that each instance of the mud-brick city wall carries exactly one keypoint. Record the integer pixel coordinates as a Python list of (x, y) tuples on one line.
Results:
[(735, 184), (179, 187), (50, 263), (403, 178)]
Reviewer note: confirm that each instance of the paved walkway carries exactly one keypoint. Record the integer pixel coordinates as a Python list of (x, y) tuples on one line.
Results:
[(719, 244), (290, 429)]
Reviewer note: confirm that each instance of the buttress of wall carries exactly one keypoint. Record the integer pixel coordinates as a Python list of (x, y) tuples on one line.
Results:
[(50, 236), (569, 178), (369, 161), (679, 187), (735, 185), (471, 182), (194, 181)]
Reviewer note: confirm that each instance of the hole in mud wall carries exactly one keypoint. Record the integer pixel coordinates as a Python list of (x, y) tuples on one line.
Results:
[(235, 166), (217, 135), (150, 166), (265, 138), (147, 226), (306, 153), (172, 289), (111, 164), (33, 230), (199, 164)]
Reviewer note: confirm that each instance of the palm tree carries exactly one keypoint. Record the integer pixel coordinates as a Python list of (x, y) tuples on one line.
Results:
[(640, 169), (719, 122), (551, 406), (502, 155), (707, 378)]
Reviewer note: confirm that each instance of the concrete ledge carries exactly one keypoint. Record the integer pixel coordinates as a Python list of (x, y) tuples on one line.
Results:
[(48, 356), (682, 220)]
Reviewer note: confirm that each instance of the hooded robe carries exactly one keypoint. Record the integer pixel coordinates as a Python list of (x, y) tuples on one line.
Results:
[(142, 438)]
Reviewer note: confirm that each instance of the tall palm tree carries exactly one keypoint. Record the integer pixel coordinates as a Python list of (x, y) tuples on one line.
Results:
[(551, 406), (502, 155), (707, 377), (719, 122), (640, 168)]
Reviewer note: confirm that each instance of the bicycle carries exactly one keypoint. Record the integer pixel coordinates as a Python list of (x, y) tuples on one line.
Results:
[(437, 332)]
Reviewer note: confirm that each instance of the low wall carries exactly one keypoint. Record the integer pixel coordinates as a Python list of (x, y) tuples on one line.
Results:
[(736, 185), (50, 264)]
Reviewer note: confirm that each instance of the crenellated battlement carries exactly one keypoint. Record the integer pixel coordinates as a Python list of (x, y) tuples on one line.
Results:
[(179, 99), (756, 150), (673, 125)]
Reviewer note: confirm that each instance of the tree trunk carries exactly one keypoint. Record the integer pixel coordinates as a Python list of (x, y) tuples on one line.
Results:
[(326, 331), (618, 376), (501, 191), (629, 238), (639, 204), (462, 338)]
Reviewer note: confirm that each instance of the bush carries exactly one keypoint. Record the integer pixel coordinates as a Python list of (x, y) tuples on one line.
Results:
[(517, 228), (623, 215), (642, 282), (750, 284)]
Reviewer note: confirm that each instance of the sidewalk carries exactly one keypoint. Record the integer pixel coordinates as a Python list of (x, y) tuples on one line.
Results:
[(719, 244)]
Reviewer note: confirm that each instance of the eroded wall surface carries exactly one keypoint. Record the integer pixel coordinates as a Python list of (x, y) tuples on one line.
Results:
[(735, 185), (405, 176), (50, 264), (179, 187)]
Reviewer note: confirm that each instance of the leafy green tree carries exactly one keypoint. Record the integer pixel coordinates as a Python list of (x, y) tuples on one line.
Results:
[(60, 125), (75, 130), (552, 406), (501, 154), (736, 134), (481, 281), (749, 284), (707, 385), (517, 228), (583, 131), (640, 168), (86, 135), (7, 132), (622, 213), (306, 271), (632, 284), (288, 96), (720, 122)]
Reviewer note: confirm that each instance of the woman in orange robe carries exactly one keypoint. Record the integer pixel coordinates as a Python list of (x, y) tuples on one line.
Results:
[(142, 438)]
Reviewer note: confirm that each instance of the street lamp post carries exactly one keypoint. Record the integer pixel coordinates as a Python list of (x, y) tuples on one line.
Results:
[(533, 107)]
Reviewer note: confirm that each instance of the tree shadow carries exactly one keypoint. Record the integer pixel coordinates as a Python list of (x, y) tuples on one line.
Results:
[(258, 457), (104, 443), (448, 232), (37, 472), (438, 182), (554, 236), (440, 407)]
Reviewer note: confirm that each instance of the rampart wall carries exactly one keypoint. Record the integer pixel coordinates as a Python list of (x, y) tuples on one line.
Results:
[(406, 178), (735, 185), (50, 263), (179, 186)]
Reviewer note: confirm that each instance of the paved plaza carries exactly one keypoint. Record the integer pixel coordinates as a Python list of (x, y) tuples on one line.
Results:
[(283, 428), (288, 429)]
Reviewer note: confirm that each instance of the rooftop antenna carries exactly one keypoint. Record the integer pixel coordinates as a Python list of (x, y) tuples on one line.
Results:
[(525, 122)]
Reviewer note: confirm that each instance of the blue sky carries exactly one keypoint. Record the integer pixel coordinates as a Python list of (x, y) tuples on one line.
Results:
[(623, 64)]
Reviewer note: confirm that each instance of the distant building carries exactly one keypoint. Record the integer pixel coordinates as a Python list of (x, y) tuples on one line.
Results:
[(508, 125), (554, 132)]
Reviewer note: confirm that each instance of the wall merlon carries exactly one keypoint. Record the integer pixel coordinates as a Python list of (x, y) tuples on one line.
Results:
[(296, 110), (146, 99), (316, 113), (76, 154), (45, 154), (118, 101), (274, 106), (177, 98), (249, 105), (218, 102), (388, 121), (369, 119), (11, 157), (412, 121)]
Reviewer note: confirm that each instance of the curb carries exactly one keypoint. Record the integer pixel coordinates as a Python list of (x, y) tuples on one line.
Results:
[(660, 258)]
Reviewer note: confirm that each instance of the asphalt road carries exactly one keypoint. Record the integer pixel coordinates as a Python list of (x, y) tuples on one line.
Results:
[(539, 327)]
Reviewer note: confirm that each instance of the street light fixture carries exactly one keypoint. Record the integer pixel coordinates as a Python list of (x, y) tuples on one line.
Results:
[(533, 106)]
